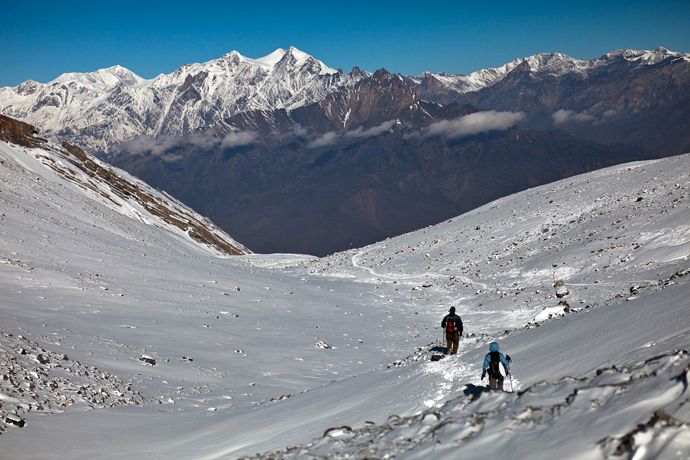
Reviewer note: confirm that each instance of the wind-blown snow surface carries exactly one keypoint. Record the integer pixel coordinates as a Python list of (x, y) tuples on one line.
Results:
[(256, 353)]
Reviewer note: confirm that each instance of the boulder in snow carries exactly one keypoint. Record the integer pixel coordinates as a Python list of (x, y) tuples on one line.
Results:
[(324, 345), (14, 419), (561, 290), (148, 359)]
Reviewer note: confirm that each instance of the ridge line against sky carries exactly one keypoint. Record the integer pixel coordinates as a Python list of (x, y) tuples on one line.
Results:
[(48, 39)]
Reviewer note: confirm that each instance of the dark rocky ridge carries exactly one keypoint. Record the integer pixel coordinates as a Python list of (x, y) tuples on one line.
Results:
[(19, 133)]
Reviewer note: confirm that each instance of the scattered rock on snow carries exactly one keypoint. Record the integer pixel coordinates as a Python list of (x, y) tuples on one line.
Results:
[(550, 312), (338, 432), (34, 379)]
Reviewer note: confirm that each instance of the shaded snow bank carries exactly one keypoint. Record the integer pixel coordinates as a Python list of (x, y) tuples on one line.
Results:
[(577, 412)]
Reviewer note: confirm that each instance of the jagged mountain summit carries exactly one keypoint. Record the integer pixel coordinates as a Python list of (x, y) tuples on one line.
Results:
[(430, 83), (624, 97), (109, 106), (74, 170)]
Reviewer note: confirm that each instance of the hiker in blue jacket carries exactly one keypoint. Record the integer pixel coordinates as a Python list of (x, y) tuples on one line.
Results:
[(493, 361)]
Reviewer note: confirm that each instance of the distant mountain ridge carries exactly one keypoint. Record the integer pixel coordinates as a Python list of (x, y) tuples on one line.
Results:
[(429, 85), (368, 162), (626, 96)]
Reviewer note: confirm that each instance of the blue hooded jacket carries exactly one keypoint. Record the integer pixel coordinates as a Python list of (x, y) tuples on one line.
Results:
[(487, 359)]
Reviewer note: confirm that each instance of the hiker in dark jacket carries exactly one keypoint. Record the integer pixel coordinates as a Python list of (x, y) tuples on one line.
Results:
[(493, 362), (452, 324)]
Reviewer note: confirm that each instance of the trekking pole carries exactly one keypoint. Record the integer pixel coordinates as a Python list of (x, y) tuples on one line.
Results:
[(443, 342)]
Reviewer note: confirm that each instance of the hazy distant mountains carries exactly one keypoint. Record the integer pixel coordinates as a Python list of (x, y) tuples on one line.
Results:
[(289, 155), (627, 96)]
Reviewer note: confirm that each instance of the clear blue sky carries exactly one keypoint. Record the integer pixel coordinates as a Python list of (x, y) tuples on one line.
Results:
[(40, 40)]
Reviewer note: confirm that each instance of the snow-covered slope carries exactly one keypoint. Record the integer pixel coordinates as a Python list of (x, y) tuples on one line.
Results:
[(262, 352), (543, 65), (99, 109), (106, 185)]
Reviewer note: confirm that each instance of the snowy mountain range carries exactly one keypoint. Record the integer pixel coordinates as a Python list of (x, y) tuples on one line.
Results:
[(100, 109), (368, 162), (121, 337), (625, 97)]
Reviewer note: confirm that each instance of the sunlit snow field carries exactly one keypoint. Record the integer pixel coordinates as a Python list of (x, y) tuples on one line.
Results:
[(257, 353)]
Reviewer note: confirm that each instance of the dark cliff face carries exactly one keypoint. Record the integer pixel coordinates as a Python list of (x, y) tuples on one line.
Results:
[(19, 133), (372, 176), (370, 102)]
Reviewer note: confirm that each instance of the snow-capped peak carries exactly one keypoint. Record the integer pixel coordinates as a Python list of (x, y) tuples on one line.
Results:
[(269, 61), (300, 56), (100, 80), (299, 59), (296, 59)]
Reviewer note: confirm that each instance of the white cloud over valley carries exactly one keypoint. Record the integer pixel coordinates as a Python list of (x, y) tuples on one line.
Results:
[(162, 146), (474, 123), (238, 139), (323, 141), (568, 116), (358, 134), (361, 133)]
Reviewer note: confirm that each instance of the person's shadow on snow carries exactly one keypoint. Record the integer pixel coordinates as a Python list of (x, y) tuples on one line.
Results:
[(441, 350), (473, 390)]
